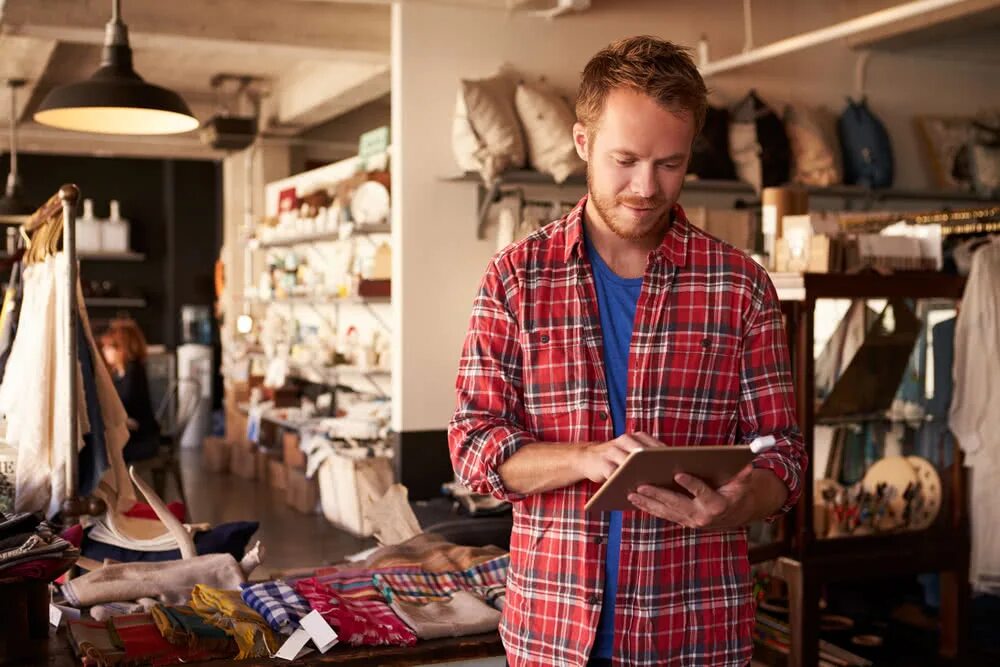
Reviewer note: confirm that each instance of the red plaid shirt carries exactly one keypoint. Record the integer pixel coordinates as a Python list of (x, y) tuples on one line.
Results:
[(708, 365)]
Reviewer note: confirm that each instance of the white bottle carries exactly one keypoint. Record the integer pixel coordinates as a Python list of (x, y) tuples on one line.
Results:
[(88, 229), (115, 231)]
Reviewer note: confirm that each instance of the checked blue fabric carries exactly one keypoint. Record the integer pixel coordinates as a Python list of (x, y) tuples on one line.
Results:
[(278, 603)]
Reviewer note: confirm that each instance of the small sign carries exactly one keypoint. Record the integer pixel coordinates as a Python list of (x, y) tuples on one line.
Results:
[(319, 631), (373, 144)]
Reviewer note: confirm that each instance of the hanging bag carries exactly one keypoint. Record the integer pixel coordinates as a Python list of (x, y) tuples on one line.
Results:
[(866, 147)]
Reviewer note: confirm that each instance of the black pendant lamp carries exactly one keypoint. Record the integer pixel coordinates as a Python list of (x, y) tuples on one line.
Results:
[(115, 100), (13, 209)]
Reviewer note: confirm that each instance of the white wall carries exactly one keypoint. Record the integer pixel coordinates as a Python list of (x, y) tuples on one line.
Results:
[(438, 260)]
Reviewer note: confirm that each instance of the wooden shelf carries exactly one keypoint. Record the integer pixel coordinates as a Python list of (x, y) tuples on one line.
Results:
[(811, 563), (534, 178), (321, 300), (114, 302), (112, 256), (323, 237)]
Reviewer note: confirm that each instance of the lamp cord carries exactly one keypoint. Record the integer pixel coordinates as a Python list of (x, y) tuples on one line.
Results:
[(12, 179)]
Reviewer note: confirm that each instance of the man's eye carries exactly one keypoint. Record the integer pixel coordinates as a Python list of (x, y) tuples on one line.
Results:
[(624, 163)]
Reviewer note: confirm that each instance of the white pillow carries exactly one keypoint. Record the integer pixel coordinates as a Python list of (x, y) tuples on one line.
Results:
[(548, 120), (486, 134)]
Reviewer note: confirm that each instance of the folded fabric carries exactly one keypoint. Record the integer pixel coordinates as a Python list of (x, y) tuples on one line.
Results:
[(169, 582), (46, 568), (355, 583), (182, 626), (432, 553), (36, 546), (128, 640), (225, 609), (463, 614), (358, 622), (104, 612), (145, 511), (424, 587), (19, 522), (278, 603), (231, 538)]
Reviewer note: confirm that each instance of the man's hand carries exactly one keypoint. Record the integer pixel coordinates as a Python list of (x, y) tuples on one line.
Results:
[(598, 461), (751, 495)]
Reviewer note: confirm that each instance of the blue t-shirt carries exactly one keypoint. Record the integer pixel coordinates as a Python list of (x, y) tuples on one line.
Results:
[(616, 301)]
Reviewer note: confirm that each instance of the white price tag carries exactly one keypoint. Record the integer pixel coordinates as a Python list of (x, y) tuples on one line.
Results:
[(55, 616), (319, 631), (295, 646)]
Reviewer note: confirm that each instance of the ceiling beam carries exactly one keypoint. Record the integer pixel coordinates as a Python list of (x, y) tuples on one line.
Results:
[(314, 93), (22, 58), (939, 24), (328, 31)]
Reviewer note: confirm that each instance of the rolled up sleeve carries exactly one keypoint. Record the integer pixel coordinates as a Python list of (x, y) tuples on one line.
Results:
[(488, 425), (767, 399)]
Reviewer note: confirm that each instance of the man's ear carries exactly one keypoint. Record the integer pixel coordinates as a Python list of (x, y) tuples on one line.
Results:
[(580, 140)]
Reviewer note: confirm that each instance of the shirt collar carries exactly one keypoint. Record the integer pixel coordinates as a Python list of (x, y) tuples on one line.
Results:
[(673, 249)]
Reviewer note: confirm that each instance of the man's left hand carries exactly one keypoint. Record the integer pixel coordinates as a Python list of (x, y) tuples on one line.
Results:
[(753, 494)]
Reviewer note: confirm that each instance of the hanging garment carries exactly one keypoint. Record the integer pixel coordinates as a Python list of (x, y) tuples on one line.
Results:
[(10, 313), (225, 610), (974, 418), (94, 455), (33, 396)]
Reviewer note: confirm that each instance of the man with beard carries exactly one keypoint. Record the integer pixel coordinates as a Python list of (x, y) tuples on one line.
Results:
[(616, 328)]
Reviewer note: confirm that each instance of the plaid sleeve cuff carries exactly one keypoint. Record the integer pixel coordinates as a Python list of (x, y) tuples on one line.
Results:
[(507, 446), (788, 474)]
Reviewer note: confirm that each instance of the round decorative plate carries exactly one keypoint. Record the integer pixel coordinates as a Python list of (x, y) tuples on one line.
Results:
[(926, 509), (370, 203)]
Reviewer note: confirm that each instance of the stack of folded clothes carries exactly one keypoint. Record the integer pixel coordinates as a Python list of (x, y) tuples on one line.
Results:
[(30, 549)]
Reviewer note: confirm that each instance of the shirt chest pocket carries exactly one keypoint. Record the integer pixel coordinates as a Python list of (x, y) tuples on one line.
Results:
[(557, 370), (704, 366)]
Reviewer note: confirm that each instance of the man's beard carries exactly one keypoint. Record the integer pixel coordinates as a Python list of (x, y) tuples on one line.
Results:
[(630, 233)]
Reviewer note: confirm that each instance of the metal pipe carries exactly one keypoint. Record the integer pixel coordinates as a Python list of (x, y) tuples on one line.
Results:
[(69, 195), (828, 34), (747, 26)]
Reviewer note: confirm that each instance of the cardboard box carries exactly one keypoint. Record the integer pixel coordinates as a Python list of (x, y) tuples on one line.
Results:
[(302, 493), (277, 475), (348, 487), (236, 425), (243, 460), (262, 460), (293, 456), (215, 454)]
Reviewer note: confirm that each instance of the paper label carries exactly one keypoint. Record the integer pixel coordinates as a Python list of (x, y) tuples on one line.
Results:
[(319, 631), (55, 616), (295, 646), (769, 220)]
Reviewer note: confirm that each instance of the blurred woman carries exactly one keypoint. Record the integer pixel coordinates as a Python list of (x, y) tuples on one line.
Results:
[(124, 349)]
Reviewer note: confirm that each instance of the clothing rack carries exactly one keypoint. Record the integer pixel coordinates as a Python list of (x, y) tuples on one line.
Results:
[(964, 221), (64, 202)]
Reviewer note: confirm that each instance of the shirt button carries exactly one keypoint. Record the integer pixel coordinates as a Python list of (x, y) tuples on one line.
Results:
[(602, 415), (594, 599), (545, 338), (599, 540)]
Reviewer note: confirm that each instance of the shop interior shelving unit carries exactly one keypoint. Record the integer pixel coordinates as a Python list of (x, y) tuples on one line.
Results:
[(806, 563)]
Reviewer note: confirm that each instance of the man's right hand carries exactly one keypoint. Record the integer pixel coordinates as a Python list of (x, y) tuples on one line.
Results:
[(599, 460)]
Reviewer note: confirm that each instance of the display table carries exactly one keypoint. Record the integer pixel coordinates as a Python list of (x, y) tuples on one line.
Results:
[(60, 654)]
